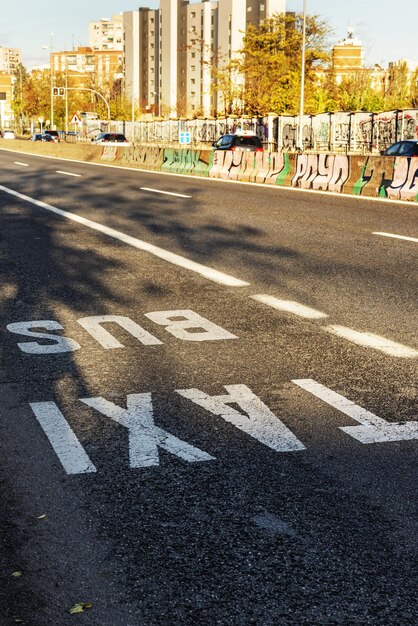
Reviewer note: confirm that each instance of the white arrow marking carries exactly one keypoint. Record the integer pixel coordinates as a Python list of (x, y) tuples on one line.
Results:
[(373, 429)]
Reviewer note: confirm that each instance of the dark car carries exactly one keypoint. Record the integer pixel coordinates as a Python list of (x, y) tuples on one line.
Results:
[(36, 137), (53, 133), (110, 138), (248, 143), (47, 137), (408, 147)]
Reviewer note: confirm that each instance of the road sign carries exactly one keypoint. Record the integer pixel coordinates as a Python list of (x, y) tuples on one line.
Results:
[(185, 137), (75, 119)]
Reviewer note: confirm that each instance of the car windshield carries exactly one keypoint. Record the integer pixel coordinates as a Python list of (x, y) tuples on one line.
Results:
[(248, 141)]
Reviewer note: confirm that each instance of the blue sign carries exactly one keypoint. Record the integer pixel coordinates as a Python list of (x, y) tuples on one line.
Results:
[(185, 137)]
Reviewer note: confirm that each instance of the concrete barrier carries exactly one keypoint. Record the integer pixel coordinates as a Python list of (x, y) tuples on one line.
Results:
[(377, 176)]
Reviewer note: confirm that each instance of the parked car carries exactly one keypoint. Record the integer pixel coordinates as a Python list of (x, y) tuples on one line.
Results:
[(9, 134), (407, 147), (53, 133), (48, 137), (110, 138), (36, 137), (245, 142)]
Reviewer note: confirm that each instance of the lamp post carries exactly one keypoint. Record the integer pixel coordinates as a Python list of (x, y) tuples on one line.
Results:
[(302, 79), (51, 78), (125, 26)]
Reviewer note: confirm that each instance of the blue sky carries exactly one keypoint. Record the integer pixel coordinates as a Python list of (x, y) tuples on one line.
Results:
[(388, 30)]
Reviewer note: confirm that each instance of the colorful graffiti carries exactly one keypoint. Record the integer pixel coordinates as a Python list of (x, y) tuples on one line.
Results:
[(340, 131), (377, 176)]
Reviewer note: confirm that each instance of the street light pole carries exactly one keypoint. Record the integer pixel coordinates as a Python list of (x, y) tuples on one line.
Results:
[(125, 26), (52, 80), (302, 79)]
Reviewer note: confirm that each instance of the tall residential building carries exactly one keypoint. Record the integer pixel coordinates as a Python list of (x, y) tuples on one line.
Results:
[(10, 59), (141, 31), (199, 58), (170, 54), (106, 33)]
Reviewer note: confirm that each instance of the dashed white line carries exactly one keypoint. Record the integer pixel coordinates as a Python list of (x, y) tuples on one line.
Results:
[(166, 193), (369, 340), (68, 173), (22, 164), (290, 307), (165, 255), (393, 236)]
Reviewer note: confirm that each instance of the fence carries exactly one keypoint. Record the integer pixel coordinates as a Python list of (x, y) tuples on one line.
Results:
[(356, 132)]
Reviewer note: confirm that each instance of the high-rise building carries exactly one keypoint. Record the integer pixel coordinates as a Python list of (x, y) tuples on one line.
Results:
[(141, 35), (171, 53), (106, 33)]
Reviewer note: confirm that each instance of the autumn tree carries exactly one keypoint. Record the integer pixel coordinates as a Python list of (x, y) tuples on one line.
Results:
[(271, 62), (397, 94), (355, 93)]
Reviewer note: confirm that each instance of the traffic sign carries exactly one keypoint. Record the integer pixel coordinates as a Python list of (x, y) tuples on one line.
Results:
[(75, 119), (185, 137)]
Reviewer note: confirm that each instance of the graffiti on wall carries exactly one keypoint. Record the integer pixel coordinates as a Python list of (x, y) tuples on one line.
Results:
[(321, 171), (404, 185)]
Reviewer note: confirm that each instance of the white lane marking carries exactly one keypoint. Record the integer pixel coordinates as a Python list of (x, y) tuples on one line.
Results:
[(22, 164), (165, 255), (373, 429), (144, 436), (68, 173), (66, 445), (166, 193), (259, 422), (369, 340), (335, 194), (393, 236), (289, 306)]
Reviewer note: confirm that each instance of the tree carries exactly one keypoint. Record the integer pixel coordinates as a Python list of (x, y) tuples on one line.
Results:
[(357, 94), (271, 63), (414, 89), (397, 95)]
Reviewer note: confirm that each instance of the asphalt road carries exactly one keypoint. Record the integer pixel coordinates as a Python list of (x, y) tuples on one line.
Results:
[(219, 423)]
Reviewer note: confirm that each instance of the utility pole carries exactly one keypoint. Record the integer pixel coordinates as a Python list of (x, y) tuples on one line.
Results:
[(302, 80)]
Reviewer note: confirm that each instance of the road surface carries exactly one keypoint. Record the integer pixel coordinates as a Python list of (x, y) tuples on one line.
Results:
[(208, 401)]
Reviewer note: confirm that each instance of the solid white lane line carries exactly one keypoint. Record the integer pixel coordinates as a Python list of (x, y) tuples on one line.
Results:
[(22, 164), (62, 438), (397, 236), (368, 340), (289, 306), (68, 173), (166, 193), (165, 255)]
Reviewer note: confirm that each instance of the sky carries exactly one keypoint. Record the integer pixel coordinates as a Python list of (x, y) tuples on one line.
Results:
[(386, 29)]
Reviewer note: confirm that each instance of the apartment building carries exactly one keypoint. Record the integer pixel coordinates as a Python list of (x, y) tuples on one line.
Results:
[(6, 98), (87, 68), (10, 59), (106, 33), (141, 31), (170, 53)]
